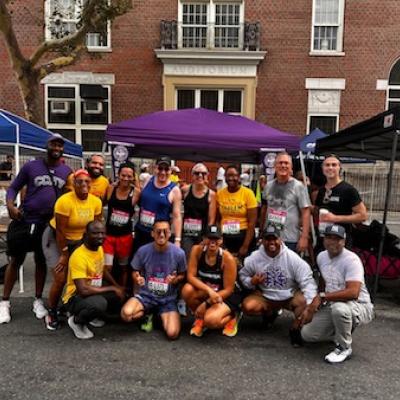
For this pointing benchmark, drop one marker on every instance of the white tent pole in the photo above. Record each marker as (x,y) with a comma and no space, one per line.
(303,170)
(372,193)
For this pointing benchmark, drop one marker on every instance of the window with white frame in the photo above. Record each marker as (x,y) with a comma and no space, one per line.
(222,100)
(393,90)
(327,28)
(62,18)
(79,112)
(326,123)
(210,24)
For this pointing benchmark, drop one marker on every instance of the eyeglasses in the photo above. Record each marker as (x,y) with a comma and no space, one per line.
(163,168)
(158,232)
(82,181)
(198,173)
(327,196)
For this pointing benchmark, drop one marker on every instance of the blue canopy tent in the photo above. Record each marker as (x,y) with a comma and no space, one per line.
(19,133)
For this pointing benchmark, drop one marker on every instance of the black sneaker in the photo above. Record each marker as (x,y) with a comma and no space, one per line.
(269,319)
(51,321)
(295,337)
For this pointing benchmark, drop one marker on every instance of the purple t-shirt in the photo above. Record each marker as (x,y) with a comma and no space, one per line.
(40,195)
(155,266)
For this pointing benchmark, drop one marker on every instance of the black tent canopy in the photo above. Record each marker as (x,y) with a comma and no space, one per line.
(373,139)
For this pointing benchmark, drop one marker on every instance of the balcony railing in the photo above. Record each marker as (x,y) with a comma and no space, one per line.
(175,35)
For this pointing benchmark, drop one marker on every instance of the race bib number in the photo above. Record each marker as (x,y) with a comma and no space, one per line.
(97,281)
(157,286)
(192,226)
(119,218)
(277,218)
(231,228)
(147,218)
(213,286)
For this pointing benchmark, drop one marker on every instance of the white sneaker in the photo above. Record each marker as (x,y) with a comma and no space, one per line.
(338,355)
(5,316)
(80,331)
(97,323)
(182,308)
(39,309)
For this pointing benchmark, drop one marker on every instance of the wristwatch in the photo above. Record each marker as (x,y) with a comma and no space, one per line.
(322,295)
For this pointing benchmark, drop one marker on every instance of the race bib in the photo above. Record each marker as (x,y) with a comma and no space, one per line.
(157,286)
(213,286)
(192,226)
(97,281)
(119,218)
(277,218)
(147,218)
(231,228)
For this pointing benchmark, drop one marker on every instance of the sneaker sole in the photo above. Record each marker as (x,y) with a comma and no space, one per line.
(73,330)
(337,362)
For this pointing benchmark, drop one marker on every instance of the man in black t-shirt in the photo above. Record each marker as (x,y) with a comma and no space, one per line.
(339,201)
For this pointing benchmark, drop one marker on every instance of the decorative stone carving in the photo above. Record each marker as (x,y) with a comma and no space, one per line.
(324,101)
(169,34)
(252,36)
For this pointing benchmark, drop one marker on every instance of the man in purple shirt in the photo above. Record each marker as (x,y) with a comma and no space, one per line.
(44,181)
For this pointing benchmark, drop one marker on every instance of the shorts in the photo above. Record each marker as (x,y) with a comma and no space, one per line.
(23,237)
(188,242)
(118,246)
(152,303)
(233,243)
(234,300)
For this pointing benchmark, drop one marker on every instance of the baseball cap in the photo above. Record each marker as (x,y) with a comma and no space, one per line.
(213,232)
(271,230)
(336,230)
(176,169)
(164,160)
(56,137)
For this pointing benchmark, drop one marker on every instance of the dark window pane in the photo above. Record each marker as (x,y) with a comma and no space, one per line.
(95,112)
(232,101)
(394,77)
(185,99)
(325,124)
(394,93)
(394,104)
(93,92)
(61,112)
(66,133)
(92,140)
(61,92)
(209,99)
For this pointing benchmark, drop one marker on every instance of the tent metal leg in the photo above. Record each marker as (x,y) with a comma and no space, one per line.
(385,211)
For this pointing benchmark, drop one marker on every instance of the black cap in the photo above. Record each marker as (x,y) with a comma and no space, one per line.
(336,230)
(56,137)
(271,230)
(213,232)
(164,160)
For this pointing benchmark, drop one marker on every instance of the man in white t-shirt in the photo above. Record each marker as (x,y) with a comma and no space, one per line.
(345,301)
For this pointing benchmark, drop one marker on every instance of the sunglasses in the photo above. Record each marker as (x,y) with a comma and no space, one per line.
(198,173)
(158,232)
(327,196)
(163,168)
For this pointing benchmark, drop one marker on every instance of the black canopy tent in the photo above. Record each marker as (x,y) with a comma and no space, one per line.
(373,139)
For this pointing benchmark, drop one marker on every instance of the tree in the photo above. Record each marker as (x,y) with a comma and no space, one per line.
(62,50)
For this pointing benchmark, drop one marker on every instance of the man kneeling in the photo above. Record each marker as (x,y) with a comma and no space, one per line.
(85,296)
(157,268)
(345,300)
(280,279)
(209,292)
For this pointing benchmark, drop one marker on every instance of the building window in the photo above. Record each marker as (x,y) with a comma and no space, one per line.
(393,90)
(222,100)
(79,112)
(210,24)
(325,123)
(327,29)
(62,17)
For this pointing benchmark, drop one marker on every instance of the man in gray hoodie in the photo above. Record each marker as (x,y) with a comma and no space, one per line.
(280,279)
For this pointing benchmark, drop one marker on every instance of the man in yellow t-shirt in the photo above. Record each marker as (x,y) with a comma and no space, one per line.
(86,296)
(95,167)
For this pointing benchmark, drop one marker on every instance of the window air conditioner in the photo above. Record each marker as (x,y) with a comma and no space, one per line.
(59,107)
(92,107)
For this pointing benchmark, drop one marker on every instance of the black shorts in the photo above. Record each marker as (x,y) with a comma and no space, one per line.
(234,242)
(23,237)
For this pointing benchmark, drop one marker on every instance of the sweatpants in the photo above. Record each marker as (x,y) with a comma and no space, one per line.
(336,322)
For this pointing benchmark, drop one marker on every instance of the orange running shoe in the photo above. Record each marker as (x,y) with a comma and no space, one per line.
(232,326)
(198,328)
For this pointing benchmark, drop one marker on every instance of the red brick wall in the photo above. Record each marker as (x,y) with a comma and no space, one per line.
(370,45)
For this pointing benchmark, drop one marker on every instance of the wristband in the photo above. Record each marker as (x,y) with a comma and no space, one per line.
(178,239)
(65,249)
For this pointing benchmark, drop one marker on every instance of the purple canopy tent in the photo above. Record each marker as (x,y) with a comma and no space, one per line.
(200,135)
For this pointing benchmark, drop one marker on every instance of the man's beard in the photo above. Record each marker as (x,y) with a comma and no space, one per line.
(94,173)
(54,155)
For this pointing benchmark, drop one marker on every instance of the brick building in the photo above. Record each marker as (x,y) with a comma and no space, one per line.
(293,65)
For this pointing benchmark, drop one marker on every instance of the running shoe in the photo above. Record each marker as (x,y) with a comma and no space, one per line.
(232,326)
(39,309)
(338,355)
(198,328)
(295,338)
(269,319)
(182,309)
(97,323)
(5,316)
(51,321)
(147,324)
(80,331)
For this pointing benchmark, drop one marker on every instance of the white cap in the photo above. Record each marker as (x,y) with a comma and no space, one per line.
(176,169)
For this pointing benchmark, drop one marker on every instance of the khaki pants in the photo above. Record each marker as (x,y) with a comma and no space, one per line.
(336,322)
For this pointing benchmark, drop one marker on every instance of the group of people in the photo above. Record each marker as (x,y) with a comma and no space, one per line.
(189,243)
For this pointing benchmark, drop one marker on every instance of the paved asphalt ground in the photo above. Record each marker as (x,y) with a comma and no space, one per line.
(123,363)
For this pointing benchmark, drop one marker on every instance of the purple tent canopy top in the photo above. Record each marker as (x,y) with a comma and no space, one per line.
(200,134)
